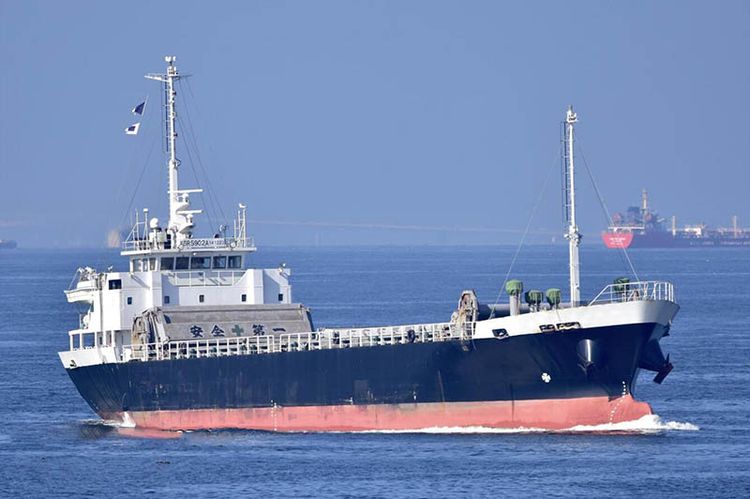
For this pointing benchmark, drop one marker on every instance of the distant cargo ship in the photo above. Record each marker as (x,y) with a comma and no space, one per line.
(640,227)
(8,244)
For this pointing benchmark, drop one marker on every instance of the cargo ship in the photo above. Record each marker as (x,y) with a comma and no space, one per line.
(191,337)
(642,227)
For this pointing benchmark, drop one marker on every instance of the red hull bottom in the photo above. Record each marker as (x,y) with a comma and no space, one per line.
(553,414)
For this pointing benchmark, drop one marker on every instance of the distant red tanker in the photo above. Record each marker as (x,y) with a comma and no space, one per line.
(640,227)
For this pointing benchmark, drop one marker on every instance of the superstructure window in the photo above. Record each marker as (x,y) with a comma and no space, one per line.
(220,262)
(130,300)
(201,298)
(152,263)
(244,298)
(166,299)
(235,262)
(115,284)
(167,263)
(200,262)
(182,263)
(281,296)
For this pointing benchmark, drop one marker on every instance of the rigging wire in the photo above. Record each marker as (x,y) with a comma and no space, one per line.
(138,182)
(603,205)
(525,233)
(192,137)
(127,172)
(197,179)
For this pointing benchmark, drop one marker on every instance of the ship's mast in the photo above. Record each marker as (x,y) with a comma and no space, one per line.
(180,216)
(572,235)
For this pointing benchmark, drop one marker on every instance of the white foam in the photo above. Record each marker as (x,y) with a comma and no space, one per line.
(127,422)
(651,423)
(646,425)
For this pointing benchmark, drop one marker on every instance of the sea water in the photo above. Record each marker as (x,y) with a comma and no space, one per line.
(52,444)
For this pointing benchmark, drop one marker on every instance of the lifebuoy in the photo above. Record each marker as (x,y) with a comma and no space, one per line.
(233,244)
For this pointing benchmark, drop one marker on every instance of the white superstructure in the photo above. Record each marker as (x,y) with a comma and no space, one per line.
(168,266)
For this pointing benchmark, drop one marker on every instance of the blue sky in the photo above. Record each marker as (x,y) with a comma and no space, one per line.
(334,121)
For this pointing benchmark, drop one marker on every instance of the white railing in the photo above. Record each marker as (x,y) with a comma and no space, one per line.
(297,342)
(191,278)
(635,291)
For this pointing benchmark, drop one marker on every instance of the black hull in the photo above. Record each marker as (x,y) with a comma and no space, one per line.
(483,370)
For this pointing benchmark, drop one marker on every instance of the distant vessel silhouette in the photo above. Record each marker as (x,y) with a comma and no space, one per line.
(641,227)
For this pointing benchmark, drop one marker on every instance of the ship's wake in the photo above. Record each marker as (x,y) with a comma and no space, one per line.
(647,425)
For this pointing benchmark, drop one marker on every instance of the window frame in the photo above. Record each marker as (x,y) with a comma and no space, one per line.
(206,262)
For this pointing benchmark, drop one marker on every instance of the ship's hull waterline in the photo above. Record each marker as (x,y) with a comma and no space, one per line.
(553,414)
(530,381)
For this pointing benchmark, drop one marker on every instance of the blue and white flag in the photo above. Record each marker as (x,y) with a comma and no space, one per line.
(133,129)
(139,108)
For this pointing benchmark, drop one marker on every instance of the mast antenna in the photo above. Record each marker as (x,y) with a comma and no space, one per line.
(180,215)
(572,235)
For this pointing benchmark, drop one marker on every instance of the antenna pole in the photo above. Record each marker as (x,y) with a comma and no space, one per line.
(169,90)
(572,235)
(180,215)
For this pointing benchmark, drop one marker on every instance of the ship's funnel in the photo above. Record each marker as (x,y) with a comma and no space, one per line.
(514,288)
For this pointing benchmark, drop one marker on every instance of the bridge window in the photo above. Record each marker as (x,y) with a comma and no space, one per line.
(115,284)
(200,262)
(220,262)
(235,262)
(167,263)
(182,263)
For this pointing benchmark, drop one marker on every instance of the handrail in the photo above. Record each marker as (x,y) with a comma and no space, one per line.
(323,339)
(208,277)
(635,291)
